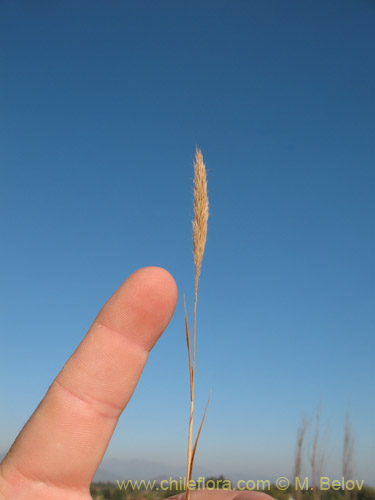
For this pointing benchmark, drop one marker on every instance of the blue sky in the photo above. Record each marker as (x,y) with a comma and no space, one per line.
(102,105)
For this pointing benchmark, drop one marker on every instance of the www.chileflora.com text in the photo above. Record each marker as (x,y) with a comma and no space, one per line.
(281,483)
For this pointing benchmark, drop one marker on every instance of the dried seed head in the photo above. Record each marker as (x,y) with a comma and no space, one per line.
(200,211)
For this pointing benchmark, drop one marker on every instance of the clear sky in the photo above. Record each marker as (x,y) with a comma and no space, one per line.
(101,107)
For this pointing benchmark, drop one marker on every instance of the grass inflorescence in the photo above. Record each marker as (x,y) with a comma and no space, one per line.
(201,209)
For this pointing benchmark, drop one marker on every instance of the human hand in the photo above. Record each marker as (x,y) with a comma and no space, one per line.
(58,451)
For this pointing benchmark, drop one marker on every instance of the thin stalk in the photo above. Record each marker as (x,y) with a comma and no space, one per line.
(191,371)
(191,420)
(199,241)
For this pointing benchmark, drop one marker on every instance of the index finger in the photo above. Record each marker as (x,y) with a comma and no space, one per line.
(65,439)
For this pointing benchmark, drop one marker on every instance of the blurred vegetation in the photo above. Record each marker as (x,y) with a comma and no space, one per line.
(111,491)
(365,493)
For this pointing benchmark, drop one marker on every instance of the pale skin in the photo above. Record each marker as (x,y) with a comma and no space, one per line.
(58,451)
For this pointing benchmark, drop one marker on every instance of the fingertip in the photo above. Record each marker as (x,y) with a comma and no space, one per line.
(157,287)
(159,280)
(143,305)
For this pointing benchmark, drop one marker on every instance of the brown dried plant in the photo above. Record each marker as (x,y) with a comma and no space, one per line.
(199,242)
(347,457)
(301,434)
(318,456)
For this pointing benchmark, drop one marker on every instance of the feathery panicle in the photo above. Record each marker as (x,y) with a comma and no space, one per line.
(199,242)
(200,211)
